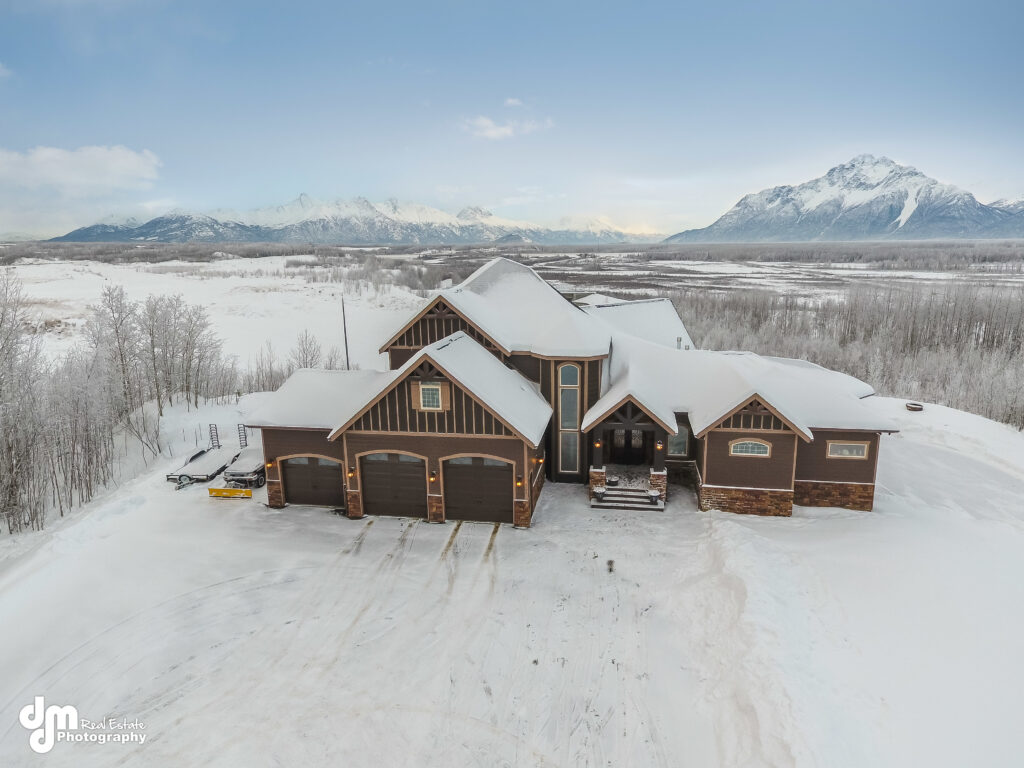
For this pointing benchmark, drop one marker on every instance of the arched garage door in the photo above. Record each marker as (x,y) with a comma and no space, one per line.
(394,484)
(315,481)
(478,488)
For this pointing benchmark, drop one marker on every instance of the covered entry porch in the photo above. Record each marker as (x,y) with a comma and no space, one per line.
(628,457)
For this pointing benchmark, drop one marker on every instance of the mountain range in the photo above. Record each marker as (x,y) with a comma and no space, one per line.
(868,198)
(352,222)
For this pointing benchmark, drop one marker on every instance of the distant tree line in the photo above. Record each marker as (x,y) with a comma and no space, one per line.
(959,345)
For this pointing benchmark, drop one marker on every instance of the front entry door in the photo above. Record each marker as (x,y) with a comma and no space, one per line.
(630,446)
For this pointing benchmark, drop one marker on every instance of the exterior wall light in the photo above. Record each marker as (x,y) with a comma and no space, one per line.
(540,460)
(597,443)
(519,481)
(351,471)
(659,445)
(433,476)
(270,464)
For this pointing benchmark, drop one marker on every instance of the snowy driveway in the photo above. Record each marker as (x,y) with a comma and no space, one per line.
(244,636)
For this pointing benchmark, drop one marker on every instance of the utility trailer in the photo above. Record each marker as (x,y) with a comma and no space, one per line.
(206,464)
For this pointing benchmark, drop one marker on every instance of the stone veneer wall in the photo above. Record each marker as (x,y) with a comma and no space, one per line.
(275,494)
(435,509)
(808,493)
(354,505)
(521,514)
(746,501)
(659,482)
(596,480)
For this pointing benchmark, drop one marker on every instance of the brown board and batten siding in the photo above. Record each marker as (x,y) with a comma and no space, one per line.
(812,462)
(439,322)
(398,412)
(774,472)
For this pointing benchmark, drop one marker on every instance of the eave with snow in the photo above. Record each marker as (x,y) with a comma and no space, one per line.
(500,383)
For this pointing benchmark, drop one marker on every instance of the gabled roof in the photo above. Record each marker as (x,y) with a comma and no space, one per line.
(512,397)
(708,386)
(651,319)
(517,309)
(315,399)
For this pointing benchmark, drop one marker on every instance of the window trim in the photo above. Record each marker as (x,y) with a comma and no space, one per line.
(576,421)
(865,443)
(436,387)
(754,440)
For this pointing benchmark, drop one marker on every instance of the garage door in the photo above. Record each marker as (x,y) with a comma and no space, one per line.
(394,484)
(476,488)
(312,480)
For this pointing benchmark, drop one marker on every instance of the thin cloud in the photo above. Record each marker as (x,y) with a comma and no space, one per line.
(513,102)
(4,71)
(486,128)
(86,170)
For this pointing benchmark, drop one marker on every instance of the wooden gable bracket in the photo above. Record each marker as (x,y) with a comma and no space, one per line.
(438,300)
(633,412)
(755,398)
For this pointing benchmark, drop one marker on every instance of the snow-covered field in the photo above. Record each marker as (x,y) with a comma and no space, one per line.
(245,636)
(250,300)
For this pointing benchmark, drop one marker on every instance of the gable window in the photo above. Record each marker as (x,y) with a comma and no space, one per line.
(844,450)
(750,448)
(430,397)
(568,417)
(679,443)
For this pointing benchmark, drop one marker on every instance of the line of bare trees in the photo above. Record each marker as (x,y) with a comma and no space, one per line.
(65,424)
(955,344)
(59,419)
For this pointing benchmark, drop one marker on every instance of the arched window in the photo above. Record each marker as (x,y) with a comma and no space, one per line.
(750,448)
(568,417)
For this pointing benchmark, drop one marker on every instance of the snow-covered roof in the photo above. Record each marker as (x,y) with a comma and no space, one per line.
(505,391)
(597,298)
(651,319)
(316,399)
(709,385)
(521,312)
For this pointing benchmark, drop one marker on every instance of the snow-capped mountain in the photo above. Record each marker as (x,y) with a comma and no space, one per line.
(1010,206)
(352,222)
(866,198)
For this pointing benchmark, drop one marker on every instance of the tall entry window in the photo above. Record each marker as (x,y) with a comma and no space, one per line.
(568,417)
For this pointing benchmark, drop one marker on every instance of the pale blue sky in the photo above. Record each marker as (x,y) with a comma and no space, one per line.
(658,116)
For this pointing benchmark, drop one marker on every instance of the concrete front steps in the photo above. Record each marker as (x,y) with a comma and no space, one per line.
(626,498)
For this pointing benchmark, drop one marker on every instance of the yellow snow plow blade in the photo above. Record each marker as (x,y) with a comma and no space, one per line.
(231,493)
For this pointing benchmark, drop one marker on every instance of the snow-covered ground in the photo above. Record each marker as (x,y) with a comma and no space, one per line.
(250,300)
(247,636)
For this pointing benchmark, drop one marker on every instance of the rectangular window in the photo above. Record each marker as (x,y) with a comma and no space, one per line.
(838,450)
(569,409)
(569,452)
(679,444)
(430,397)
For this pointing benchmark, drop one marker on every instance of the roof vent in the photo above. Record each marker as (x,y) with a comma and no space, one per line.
(679,342)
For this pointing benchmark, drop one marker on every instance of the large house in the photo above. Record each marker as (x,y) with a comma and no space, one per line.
(500,383)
